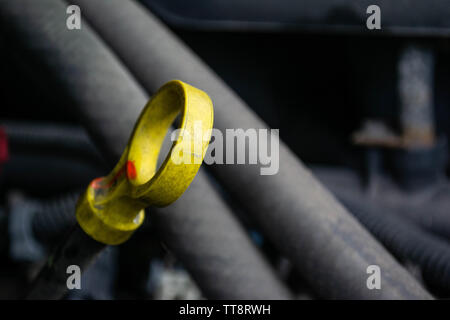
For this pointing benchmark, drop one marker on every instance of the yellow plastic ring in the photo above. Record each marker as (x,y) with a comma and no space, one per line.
(111,208)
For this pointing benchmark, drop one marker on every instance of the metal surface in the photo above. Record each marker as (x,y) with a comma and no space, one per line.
(415,86)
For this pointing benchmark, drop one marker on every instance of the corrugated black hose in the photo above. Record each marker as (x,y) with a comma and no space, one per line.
(407,241)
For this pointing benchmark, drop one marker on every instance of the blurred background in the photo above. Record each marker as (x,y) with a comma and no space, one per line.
(368,112)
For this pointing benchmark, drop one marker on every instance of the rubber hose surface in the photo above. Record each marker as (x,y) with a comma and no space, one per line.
(203,232)
(324,241)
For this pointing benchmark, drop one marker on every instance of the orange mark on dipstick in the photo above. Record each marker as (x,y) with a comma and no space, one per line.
(104,183)
(131,170)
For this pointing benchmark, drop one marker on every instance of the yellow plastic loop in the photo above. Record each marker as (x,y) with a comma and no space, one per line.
(112,207)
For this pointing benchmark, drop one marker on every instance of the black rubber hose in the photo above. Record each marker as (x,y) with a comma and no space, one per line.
(66,140)
(428,208)
(406,241)
(324,241)
(199,227)
(48,158)
(45,175)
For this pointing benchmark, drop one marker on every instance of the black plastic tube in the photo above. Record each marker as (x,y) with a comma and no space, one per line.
(325,243)
(199,227)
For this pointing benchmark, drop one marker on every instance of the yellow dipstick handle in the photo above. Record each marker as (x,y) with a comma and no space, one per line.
(112,207)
